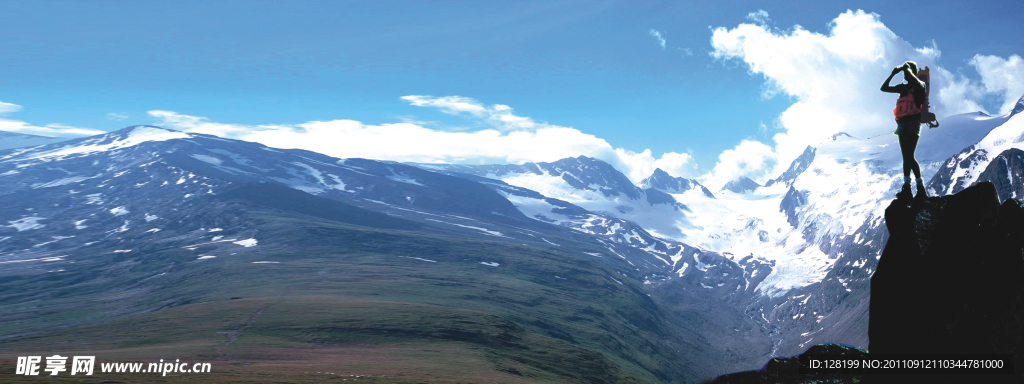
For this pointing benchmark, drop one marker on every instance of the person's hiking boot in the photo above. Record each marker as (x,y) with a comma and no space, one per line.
(921,192)
(905,192)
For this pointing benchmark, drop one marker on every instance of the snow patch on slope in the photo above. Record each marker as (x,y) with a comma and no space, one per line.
(136,136)
(27,223)
(247,243)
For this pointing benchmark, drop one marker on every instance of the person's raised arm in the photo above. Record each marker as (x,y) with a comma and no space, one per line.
(885,86)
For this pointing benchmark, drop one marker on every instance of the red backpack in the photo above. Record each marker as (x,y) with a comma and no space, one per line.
(906,104)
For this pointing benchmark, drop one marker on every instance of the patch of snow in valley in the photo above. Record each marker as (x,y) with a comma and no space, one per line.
(485,230)
(124,227)
(402,178)
(308,189)
(247,243)
(207,159)
(535,208)
(546,241)
(27,223)
(338,184)
(417,258)
(41,259)
(59,182)
(94,198)
(55,239)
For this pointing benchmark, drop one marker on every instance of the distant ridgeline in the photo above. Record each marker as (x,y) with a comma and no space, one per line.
(950,281)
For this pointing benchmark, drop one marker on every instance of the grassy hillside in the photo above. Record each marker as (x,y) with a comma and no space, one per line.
(420,301)
(310,338)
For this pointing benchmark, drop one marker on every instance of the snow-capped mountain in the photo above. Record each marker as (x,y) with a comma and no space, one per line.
(817,229)
(997,158)
(592,185)
(741,185)
(650,254)
(793,256)
(797,167)
(142,190)
(143,180)
(664,182)
(70,194)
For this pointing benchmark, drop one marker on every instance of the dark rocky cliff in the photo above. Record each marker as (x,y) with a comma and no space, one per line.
(950,280)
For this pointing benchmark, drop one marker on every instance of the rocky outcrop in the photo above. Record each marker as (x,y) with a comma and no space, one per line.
(793,200)
(951,276)
(1006,172)
(950,281)
(788,369)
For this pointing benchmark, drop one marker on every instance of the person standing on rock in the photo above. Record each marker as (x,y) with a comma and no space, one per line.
(908,122)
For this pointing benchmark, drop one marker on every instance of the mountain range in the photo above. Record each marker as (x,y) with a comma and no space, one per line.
(665,280)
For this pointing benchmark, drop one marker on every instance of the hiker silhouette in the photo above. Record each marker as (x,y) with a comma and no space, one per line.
(908,122)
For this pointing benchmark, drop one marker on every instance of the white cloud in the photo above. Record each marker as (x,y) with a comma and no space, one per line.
(657,35)
(203,125)
(47,130)
(834,78)
(1003,77)
(638,166)
(116,116)
(749,158)
(515,139)
(8,107)
(760,17)
(959,95)
(448,104)
(498,116)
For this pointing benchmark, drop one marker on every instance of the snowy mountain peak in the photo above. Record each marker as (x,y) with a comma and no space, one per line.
(590,174)
(145,128)
(141,133)
(662,181)
(123,138)
(741,185)
(799,165)
(1019,107)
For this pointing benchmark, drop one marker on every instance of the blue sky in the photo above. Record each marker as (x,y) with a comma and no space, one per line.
(596,72)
